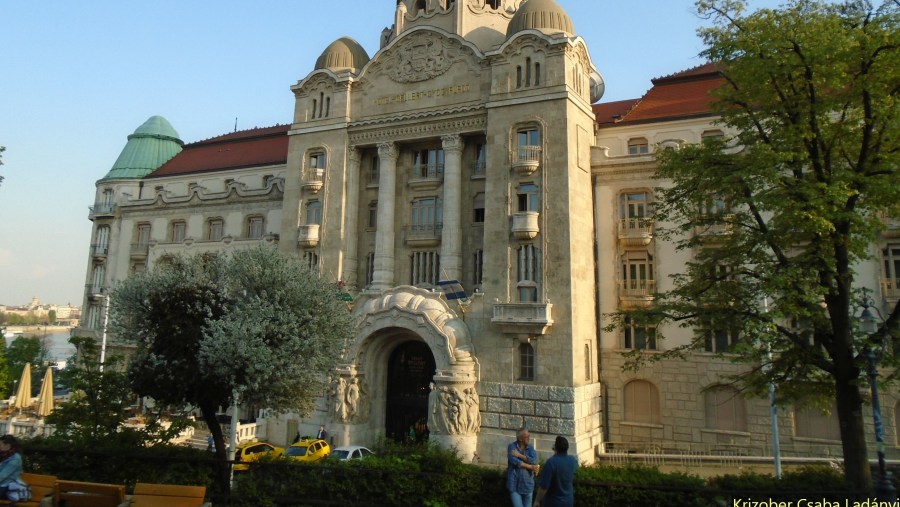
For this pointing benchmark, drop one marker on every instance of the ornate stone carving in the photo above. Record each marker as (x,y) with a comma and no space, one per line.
(453,411)
(350,400)
(419,59)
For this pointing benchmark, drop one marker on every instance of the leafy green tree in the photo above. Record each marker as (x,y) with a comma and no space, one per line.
(812,91)
(256,324)
(2,149)
(51,317)
(22,350)
(100,404)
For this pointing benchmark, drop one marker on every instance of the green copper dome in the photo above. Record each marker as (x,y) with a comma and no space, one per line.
(153,144)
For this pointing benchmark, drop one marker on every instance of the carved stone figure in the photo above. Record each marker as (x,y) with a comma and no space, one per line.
(340,406)
(353,398)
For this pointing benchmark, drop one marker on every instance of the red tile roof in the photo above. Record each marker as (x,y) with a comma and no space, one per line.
(237,150)
(680,95)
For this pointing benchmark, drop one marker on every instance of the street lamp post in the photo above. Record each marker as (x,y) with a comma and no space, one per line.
(884,486)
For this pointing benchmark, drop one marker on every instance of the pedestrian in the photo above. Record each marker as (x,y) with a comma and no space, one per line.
(556,482)
(210,442)
(10,463)
(322,434)
(521,469)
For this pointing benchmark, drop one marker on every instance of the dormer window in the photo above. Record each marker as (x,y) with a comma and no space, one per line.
(638,146)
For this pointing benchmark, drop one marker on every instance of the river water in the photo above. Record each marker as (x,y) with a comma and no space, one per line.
(56,340)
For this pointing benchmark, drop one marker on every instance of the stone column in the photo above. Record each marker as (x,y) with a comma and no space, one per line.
(451,235)
(383,277)
(351,221)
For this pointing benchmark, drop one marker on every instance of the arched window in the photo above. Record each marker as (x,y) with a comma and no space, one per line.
(641,402)
(725,409)
(526,362)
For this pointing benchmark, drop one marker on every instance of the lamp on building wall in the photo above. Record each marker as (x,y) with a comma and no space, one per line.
(868,324)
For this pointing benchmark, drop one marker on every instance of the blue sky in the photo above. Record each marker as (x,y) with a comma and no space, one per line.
(76,78)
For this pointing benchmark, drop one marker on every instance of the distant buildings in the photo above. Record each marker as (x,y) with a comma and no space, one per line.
(67,315)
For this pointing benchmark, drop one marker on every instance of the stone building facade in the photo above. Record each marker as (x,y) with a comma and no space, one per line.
(467,149)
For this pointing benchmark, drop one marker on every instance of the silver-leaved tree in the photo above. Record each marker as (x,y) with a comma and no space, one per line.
(256,324)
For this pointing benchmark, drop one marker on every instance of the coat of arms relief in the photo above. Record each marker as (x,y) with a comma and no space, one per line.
(421,58)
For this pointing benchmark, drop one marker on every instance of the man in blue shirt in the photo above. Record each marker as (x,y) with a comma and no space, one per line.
(520,470)
(556,481)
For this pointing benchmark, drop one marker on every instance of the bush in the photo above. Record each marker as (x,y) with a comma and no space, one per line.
(823,481)
(605,485)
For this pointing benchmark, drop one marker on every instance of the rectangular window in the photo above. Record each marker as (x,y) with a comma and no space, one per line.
(638,146)
(179,229)
(478,208)
(314,213)
(529,273)
(637,273)
(255,226)
(528,145)
(528,198)
(317,160)
(424,269)
(427,215)
(478,269)
(311,259)
(638,337)
(374,171)
(372,221)
(635,207)
(891,259)
(143,234)
(480,159)
(215,229)
(370,268)
(719,337)
(526,362)
(429,163)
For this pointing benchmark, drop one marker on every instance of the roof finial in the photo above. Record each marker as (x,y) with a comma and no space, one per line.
(235,123)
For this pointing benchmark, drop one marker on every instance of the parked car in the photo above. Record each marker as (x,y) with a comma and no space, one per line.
(252,451)
(308,449)
(349,452)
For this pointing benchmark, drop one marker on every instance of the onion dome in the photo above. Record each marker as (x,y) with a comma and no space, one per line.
(344,53)
(153,144)
(543,15)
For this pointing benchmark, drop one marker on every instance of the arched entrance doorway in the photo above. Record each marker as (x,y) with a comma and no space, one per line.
(411,369)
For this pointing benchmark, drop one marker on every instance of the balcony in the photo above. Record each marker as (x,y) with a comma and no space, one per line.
(526,159)
(100,210)
(95,290)
(139,250)
(308,235)
(313,179)
(529,319)
(636,293)
(424,235)
(635,231)
(99,251)
(890,288)
(715,227)
(426,176)
(525,224)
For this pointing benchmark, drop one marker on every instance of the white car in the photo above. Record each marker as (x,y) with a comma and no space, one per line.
(350,452)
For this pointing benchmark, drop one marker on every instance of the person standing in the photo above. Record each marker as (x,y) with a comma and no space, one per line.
(322,434)
(556,488)
(521,469)
(210,442)
(10,462)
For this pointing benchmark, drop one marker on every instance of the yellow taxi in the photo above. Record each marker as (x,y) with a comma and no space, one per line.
(248,452)
(308,449)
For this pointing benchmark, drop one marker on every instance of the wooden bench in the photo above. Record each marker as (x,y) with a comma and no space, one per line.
(41,488)
(87,494)
(166,495)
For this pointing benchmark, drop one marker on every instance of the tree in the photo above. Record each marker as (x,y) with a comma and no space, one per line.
(255,324)
(22,350)
(812,91)
(2,149)
(100,404)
